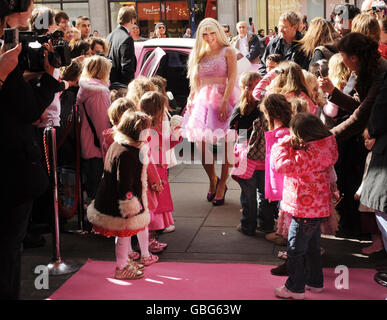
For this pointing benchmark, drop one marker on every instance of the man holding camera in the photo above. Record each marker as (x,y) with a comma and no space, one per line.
(23,178)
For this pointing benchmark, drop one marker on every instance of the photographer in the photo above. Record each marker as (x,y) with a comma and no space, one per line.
(23,178)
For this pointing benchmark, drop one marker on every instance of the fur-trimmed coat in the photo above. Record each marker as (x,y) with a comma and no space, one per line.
(120,207)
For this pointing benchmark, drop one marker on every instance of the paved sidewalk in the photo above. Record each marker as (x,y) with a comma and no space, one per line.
(204,233)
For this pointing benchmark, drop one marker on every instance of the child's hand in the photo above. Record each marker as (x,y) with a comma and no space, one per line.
(356,197)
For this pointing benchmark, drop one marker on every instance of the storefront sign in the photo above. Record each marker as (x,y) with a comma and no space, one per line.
(151,10)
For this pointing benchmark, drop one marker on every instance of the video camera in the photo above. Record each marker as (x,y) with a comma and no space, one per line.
(8,7)
(32,56)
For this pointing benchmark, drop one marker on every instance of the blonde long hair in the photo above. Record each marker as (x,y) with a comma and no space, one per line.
(96,67)
(338,73)
(320,32)
(201,47)
(290,79)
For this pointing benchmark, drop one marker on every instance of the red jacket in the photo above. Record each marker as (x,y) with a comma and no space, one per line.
(383,49)
(306,191)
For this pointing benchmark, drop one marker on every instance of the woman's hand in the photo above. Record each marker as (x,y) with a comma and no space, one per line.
(8,61)
(326,84)
(223,114)
(47,66)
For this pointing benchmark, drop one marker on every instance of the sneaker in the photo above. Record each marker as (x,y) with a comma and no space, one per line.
(283,292)
(128,273)
(134,255)
(314,289)
(169,229)
(150,260)
(155,246)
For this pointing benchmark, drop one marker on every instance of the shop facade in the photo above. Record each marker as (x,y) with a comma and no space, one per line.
(265,13)
(177,15)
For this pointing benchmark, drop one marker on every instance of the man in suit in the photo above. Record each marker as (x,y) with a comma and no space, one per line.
(246,42)
(121,51)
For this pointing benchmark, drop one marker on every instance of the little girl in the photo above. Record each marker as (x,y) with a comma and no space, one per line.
(305,159)
(368,215)
(154,103)
(115,112)
(287,79)
(93,99)
(278,113)
(249,151)
(120,207)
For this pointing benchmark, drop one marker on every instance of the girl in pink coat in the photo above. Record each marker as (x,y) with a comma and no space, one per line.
(305,158)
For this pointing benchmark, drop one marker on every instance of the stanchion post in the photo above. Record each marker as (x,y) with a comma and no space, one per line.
(58,266)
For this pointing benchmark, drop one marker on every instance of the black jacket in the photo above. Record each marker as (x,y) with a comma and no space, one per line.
(122,55)
(23,178)
(276,45)
(374,193)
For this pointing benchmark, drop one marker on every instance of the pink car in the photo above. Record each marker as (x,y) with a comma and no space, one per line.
(168,58)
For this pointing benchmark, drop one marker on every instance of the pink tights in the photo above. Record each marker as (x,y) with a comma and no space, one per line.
(124,247)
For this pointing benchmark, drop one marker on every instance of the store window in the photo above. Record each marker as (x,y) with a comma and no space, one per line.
(74,8)
(174,14)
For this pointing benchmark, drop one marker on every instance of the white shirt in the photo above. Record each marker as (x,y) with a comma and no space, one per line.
(244,45)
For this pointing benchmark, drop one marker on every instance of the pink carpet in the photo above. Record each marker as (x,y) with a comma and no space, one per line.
(199,281)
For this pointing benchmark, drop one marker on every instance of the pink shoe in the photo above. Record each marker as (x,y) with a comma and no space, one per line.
(283,292)
(150,260)
(375,247)
(134,255)
(155,246)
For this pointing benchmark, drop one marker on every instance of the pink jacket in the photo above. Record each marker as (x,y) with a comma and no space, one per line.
(306,192)
(95,95)
(273,180)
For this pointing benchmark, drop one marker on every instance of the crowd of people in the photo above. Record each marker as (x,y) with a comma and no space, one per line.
(295,135)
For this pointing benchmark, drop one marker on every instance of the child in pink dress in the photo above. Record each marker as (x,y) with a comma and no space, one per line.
(153,104)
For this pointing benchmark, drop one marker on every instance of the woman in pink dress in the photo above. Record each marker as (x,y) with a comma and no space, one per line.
(212,70)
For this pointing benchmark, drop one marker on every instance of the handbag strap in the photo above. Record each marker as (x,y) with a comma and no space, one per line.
(96,140)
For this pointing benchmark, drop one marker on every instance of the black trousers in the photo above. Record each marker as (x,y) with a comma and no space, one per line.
(14,223)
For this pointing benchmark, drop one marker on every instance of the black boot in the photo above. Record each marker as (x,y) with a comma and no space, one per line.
(281,270)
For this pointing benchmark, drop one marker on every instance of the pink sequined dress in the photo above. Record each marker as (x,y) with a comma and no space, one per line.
(202,122)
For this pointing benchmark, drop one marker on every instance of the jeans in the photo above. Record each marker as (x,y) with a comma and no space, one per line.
(265,211)
(381,220)
(14,223)
(304,263)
